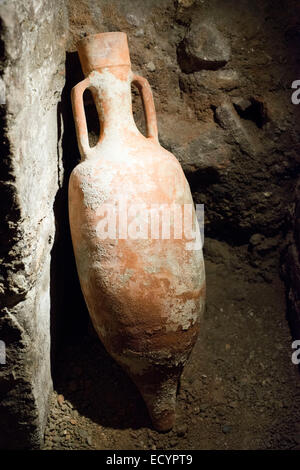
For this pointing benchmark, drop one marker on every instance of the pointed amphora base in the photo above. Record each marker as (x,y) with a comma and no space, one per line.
(159,393)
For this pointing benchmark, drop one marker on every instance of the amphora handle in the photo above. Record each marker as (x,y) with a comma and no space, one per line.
(148,104)
(79,116)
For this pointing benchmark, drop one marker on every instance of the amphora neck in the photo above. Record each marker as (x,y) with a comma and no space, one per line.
(111,89)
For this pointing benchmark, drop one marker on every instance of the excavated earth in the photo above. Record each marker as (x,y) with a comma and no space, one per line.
(239,390)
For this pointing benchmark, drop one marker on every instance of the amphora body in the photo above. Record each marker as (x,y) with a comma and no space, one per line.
(144,287)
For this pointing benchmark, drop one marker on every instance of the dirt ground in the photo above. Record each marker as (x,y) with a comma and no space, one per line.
(239,389)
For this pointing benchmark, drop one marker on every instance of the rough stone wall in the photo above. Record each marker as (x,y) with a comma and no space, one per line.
(32,77)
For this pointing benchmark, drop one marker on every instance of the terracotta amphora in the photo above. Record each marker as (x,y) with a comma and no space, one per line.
(142,277)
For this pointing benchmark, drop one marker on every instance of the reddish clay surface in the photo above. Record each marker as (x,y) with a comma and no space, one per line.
(145,296)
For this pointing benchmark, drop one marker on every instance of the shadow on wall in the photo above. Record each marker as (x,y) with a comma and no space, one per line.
(69,315)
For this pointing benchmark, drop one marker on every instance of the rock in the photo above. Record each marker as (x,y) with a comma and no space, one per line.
(139,33)
(204,407)
(204,47)
(133,20)
(181,430)
(60,399)
(83,434)
(229,120)
(261,245)
(197,147)
(256,239)
(173,442)
(226,429)
(233,404)
(241,104)
(213,80)
(31,170)
(51,425)
(151,67)
(185,3)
